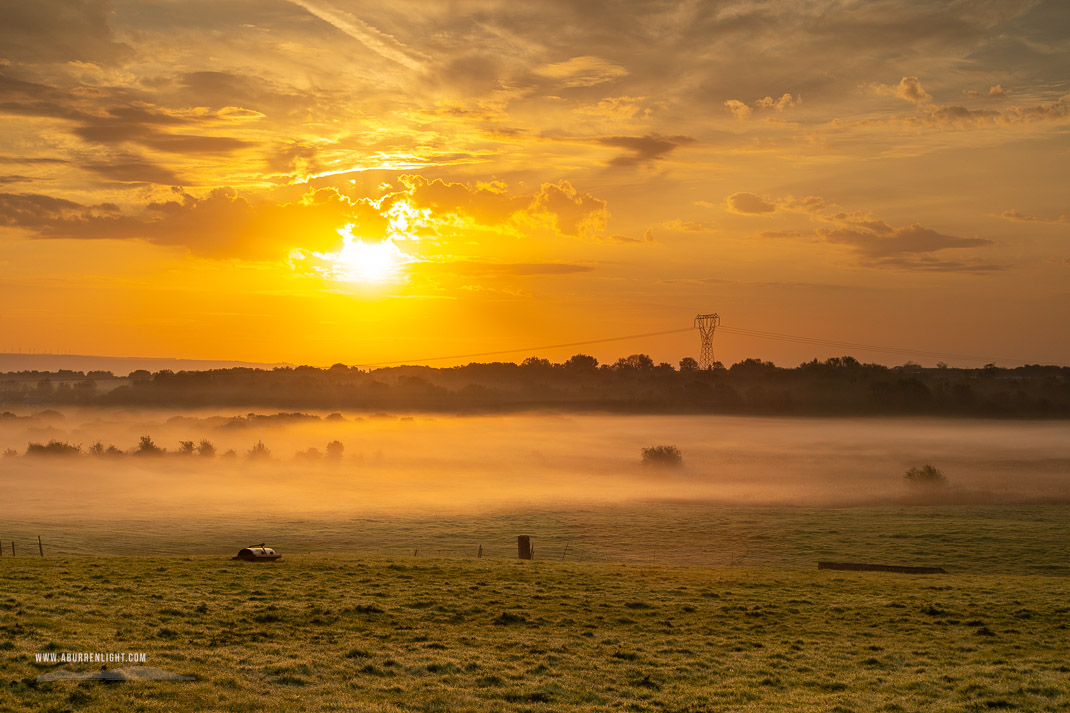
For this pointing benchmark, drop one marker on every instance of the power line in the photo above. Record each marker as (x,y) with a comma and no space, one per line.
(901,351)
(530,349)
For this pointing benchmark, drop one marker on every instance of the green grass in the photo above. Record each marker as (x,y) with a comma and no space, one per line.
(374,633)
(1009,539)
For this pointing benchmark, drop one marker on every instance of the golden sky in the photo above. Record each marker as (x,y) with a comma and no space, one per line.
(320,181)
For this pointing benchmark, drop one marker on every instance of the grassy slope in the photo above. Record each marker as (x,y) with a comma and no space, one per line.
(338,633)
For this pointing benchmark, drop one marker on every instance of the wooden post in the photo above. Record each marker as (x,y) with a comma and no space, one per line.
(523,547)
(480,552)
(40,547)
(565,552)
(12,548)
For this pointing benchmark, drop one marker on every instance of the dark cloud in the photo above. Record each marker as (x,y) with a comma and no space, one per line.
(59,31)
(748,204)
(911,247)
(219,224)
(133,122)
(645,149)
(132,169)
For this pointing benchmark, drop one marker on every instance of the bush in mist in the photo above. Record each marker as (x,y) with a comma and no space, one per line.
(186,448)
(10,453)
(147,447)
(53,448)
(335,449)
(663,456)
(925,475)
(205,448)
(259,451)
(99,449)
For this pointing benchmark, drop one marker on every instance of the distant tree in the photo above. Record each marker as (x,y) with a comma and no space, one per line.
(259,451)
(535,363)
(10,453)
(639,362)
(97,449)
(205,448)
(113,451)
(663,456)
(335,449)
(309,454)
(185,448)
(53,448)
(335,417)
(146,447)
(926,475)
(688,364)
(582,362)
(138,374)
(230,453)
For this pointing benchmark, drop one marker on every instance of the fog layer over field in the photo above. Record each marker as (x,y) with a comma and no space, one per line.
(434,464)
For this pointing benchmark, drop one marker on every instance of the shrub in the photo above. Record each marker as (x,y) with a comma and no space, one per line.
(146,447)
(665,456)
(53,448)
(259,451)
(925,475)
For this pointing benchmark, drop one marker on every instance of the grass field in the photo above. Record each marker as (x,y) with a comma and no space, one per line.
(445,634)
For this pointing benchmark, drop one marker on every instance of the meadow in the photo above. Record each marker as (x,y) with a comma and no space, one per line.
(686,589)
(445,634)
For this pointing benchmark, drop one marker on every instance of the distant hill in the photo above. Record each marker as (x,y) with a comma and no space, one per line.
(120,366)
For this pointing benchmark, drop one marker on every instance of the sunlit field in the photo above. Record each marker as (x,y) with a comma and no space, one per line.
(686,589)
(443,634)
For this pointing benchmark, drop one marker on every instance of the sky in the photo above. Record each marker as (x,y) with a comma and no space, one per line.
(323,181)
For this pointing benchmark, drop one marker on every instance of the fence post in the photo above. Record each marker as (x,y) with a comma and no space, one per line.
(523,547)
(40,547)
(12,548)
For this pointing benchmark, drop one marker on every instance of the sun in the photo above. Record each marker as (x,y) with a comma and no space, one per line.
(359,261)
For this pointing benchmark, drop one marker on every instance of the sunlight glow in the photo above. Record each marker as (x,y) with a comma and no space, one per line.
(360,261)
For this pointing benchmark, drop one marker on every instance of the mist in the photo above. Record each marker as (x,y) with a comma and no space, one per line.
(427,464)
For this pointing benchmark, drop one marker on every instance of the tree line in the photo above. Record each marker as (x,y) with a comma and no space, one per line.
(635,383)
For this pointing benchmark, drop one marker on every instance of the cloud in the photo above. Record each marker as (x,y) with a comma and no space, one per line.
(908,89)
(883,241)
(645,149)
(739,110)
(690,226)
(873,242)
(748,204)
(125,121)
(911,90)
(569,211)
(742,111)
(379,42)
(133,169)
(1015,216)
(786,101)
(619,108)
(939,116)
(219,224)
(584,71)
(59,31)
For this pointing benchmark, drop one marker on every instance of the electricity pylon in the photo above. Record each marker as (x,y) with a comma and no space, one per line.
(706,323)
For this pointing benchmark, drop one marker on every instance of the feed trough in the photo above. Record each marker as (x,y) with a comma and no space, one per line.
(257,553)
